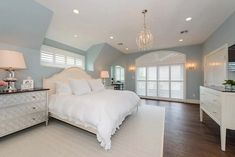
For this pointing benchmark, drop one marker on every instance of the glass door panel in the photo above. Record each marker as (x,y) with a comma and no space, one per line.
(151,88)
(177,72)
(163,89)
(166,81)
(163,73)
(177,90)
(141,88)
(152,73)
(141,73)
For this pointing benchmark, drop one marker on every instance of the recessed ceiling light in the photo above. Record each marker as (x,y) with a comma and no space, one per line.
(127,48)
(75,36)
(188,19)
(181,40)
(111,37)
(75,11)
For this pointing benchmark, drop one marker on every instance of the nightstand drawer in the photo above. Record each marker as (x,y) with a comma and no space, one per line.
(20,110)
(21,98)
(10,126)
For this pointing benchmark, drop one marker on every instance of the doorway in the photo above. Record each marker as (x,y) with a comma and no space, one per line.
(161,74)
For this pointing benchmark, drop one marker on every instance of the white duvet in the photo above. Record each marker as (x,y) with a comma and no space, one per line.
(104,110)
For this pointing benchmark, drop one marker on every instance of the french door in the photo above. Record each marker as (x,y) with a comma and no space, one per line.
(164,81)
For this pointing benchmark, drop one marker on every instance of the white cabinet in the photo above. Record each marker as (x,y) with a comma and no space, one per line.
(220,106)
(21,110)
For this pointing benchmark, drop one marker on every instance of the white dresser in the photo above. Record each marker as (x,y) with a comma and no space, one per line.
(220,106)
(22,109)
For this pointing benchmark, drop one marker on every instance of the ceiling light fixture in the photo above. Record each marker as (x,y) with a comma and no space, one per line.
(144,39)
(75,36)
(111,37)
(127,48)
(75,11)
(181,40)
(188,19)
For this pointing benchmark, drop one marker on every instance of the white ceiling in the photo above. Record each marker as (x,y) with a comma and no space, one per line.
(100,19)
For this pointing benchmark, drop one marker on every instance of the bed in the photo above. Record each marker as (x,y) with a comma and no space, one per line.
(100,112)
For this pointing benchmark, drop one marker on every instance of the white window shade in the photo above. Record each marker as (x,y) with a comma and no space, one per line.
(54,57)
(47,57)
(163,81)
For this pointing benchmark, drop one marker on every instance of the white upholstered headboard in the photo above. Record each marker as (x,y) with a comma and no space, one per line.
(64,76)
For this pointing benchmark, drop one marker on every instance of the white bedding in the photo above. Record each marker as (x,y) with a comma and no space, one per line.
(104,110)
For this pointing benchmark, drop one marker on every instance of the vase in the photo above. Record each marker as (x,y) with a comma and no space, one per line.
(233,88)
(228,87)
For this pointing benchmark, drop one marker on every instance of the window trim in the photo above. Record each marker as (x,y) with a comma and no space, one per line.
(55,51)
(157,81)
(120,72)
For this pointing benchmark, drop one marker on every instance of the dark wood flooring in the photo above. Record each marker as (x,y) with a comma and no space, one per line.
(185,136)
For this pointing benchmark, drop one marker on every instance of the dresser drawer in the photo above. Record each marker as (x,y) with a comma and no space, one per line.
(7,127)
(216,115)
(20,110)
(21,98)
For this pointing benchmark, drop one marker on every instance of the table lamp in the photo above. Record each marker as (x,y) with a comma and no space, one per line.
(104,75)
(11,61)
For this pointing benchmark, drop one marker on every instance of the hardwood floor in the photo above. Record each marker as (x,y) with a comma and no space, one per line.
(185,136)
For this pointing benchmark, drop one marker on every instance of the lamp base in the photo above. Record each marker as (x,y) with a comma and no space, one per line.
(11,86)
(11,81)
(104,81)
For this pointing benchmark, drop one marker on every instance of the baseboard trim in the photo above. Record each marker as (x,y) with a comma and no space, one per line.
(188,101)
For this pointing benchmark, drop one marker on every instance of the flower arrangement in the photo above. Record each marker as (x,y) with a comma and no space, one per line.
(3,83)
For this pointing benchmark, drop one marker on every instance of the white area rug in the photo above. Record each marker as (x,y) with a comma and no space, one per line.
(141,135)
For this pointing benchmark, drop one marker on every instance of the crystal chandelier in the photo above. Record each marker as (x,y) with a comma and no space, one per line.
(144,39)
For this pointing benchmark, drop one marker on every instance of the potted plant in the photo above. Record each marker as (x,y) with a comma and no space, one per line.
(229,85)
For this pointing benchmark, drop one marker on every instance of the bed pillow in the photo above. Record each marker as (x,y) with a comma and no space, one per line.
(79,87)
(63,88)
(96,85)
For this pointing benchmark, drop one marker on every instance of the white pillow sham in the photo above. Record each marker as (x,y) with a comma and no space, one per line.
(63,88)
(79,87)
(96,85)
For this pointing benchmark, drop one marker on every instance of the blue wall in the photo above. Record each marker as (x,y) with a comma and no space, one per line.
(193,77)
(23,25)
(34,69)
(101,57)
(224,34)
(62,46)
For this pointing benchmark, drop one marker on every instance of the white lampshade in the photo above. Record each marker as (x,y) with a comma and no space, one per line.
(11,60)
(104,74)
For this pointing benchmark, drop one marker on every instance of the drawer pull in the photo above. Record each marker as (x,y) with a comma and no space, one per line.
(34,108)
(34,97)
(34,118)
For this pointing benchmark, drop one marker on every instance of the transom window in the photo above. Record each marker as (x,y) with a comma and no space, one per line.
(54,57)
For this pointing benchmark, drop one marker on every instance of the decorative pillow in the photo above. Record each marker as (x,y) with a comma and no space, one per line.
(96,85)
(79,87)
(63,88)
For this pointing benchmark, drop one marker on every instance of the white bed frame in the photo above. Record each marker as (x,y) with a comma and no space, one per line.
(64,76)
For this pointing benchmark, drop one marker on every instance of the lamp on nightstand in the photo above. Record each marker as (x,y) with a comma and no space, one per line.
(104,75)
(11,61)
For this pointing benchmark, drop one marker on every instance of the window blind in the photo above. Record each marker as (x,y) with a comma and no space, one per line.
(54,57)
